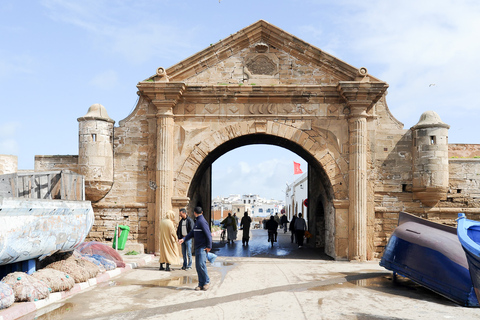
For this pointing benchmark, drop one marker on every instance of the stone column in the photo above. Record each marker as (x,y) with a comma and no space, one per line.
(164,168)
(164,95)
(360,97)
(357,126)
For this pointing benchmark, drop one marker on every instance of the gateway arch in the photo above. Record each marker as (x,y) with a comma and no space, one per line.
(263,85)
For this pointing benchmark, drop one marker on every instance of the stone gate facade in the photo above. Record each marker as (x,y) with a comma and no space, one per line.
(263,85)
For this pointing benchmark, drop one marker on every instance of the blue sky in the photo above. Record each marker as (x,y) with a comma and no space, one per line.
(58,57)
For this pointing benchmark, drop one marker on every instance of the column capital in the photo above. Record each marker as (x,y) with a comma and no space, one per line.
(163,95)
(360,96)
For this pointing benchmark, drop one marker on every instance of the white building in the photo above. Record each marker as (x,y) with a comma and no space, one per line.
(251,203)
(296,195)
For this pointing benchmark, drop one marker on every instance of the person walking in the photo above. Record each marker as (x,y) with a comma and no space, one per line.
(203,244)
(300,227)
(184,227)
(284,222)
(231,225)
(237,225)
(277,218)
(168,242)
(291,227)
(245,224)
(272,226)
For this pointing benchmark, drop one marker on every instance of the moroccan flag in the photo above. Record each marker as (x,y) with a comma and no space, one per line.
(296,168)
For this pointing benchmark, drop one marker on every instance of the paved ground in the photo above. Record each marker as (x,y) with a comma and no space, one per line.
(259,282)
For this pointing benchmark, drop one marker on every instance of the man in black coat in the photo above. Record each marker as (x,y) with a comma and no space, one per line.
(272,227)
(184,227)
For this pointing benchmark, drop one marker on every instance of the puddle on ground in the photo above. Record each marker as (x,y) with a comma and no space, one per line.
(55,311)
(387,284)
(224,267)
(382,282)
(170,282)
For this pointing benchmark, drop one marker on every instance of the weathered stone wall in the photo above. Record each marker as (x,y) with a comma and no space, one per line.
(464,185)
(8,164)
(126,203)
(458,150)
(285,69)
(107,218)
(58,162)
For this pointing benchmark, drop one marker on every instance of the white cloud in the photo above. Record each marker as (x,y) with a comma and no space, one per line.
(410,45)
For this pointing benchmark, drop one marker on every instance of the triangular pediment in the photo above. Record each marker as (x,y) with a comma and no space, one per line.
(261,54)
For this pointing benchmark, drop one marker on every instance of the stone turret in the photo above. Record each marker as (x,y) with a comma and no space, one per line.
(430,159)
(95,154)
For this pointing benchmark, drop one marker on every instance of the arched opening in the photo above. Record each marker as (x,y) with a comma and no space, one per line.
(320,211)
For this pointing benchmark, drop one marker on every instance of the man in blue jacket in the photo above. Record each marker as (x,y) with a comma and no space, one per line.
(203,244)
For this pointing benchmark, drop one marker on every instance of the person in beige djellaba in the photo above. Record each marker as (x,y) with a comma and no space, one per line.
(168,242)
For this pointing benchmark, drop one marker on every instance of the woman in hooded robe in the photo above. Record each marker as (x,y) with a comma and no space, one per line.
(231,225)
(168,241)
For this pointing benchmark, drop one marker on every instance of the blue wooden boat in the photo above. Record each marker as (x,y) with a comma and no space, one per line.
(431,255)
(468,232)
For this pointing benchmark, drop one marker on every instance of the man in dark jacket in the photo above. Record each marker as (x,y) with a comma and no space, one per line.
(284,222)
(184,227)
(203,244)
(292,228)
(272,227)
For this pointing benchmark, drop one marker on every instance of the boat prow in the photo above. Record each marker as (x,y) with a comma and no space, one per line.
(468,232)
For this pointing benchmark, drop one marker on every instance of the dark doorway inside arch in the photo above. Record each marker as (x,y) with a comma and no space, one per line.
(320,211)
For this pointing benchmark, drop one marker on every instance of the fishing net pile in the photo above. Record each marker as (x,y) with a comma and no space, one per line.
(26,287)
(56,280)
(96,262)
(101,249)
(7,297)
(80,269)
(103,262)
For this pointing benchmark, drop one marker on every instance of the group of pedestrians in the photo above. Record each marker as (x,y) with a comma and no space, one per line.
(186,231)
(200,231)
(297,227)
(232,226)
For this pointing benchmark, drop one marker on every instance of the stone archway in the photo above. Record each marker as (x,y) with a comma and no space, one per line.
(323,107)
(195,183)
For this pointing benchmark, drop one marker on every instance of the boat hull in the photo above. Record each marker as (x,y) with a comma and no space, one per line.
(469,236)
(35,228)
(431,255)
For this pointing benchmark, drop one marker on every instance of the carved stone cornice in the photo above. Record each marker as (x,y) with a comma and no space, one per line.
(361,96)
(163,95)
